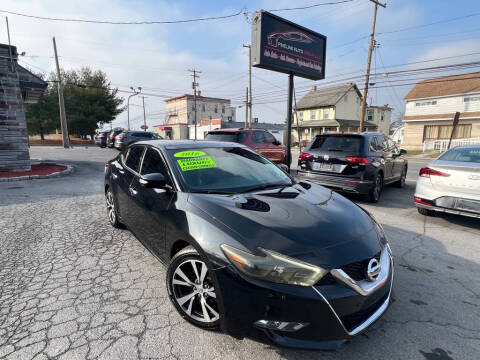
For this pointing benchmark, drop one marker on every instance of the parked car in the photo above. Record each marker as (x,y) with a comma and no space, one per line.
(259,140)
(356,163)
(126,138)
(451,183)
(101,138)
(249,247)
(112,135)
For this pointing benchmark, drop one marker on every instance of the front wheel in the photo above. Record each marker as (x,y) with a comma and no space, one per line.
(401,182)
(191,289)
(374,194)
(112,210)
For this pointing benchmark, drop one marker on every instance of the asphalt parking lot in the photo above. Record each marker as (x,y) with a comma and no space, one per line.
(72,287)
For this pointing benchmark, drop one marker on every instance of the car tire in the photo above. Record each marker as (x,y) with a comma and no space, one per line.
(374,194)
(191,290)
(425,212)
(112,210)
(401,182)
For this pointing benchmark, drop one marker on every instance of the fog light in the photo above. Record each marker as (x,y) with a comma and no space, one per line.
(280,325)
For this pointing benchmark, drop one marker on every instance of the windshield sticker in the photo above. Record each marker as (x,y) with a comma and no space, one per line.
(196,163)
(189,154)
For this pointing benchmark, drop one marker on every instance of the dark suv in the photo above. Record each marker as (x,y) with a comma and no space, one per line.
(259,140)
(101,138)
(357,163)
(126,138)
(111,136)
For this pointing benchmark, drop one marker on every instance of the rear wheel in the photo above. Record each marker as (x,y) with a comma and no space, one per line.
(425,212)
(374,193)
(191,290)
(401,182)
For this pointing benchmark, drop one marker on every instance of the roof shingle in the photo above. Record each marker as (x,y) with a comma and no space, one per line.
(324,97)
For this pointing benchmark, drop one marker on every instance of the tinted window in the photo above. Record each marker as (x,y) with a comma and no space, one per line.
(229,169)
(153,163)
(242,137)
(382,143)
(134,155)
(374,146)
(350,144)
(258,137)
(223,136)
(269,138)
(462,154)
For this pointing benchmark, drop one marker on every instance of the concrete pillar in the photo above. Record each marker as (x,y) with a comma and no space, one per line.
(14,154)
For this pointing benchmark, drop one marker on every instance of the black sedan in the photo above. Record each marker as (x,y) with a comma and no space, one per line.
(247,247)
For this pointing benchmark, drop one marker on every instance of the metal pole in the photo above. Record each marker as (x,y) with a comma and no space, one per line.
(369,61)
(246,109)
(250,84)
(144,117)
(195,101)
(135,92)
(63,117)
(455,123)
(288,156)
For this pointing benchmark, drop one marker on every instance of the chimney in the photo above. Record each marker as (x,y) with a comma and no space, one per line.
(198,93)
(314,87)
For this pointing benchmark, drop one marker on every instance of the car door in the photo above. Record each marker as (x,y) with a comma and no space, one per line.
(387,157)
(152,204)
(131,165)
(275,152)
(259,145)
(398,160)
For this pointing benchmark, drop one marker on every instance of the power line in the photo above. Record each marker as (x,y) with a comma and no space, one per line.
(312,6)
(143,22)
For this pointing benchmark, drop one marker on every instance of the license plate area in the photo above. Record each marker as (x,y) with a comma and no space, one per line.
(321,166)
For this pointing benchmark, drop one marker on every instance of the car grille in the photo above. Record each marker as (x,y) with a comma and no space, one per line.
(353,320)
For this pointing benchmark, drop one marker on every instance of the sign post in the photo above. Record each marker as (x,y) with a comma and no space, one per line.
(455,123)
(283,46)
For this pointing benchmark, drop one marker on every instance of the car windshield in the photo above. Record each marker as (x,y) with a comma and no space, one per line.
(225,170)
(462,155)
(350,144)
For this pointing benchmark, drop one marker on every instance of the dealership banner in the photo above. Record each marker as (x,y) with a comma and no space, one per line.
(283,46)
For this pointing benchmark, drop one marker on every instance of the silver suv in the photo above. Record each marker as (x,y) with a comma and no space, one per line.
(128,137)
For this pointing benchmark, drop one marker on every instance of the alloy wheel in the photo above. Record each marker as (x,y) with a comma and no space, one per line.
(378,188)
(194,292)
(112,215)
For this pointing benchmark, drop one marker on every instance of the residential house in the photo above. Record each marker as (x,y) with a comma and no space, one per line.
(180,114)
(327,110)
(380,116)
(431,106)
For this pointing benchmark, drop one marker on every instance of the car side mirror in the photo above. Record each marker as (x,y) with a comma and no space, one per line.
(276,142)
(403,152)
(154,181)
(283,167)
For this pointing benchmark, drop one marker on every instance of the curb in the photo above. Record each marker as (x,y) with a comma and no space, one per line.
(67,171)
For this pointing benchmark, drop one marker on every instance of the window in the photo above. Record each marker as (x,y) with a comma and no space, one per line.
(434,132)
(312,114)
(153,163)
(300,115)
(215,109)
(430,132)
(326,113)
(223,109)
(471,98)
(193,107)
(269,138)
(374,146)
(426,103)
(370,115)
(345,98)
(382,115)
(134,155)
(229,118)
(347,144)
(203,107)
(258,137)
(358,100)
(467,154)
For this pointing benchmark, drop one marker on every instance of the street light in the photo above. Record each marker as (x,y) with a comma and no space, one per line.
(135,92)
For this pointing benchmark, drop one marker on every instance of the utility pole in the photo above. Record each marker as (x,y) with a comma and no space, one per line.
(194,86)
(135,92)
(369,60)
(144,117)
(246,109)
(249,104)
(61,102)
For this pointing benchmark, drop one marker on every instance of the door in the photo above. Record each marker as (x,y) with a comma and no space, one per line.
(153,204)
(131,166)
(387,157)
(276,152)
(259,145)
(398,160)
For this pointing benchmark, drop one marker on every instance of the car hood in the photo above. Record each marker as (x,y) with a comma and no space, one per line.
(315,225)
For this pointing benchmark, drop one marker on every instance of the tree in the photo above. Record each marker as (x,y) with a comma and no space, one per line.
(89,102)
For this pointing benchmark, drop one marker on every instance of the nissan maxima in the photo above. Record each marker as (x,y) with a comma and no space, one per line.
(451,183)
(248,247)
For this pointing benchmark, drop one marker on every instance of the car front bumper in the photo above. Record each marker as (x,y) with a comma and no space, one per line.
(444,200)
(351,185)
(334,312)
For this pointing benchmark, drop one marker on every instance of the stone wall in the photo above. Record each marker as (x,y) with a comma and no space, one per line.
(14,155)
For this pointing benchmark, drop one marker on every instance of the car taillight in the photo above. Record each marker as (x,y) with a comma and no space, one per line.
(420,201)
(304,156)
(357,160)
(112,137)
(427,172)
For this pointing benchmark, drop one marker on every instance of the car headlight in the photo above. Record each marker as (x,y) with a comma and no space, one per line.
(274,267)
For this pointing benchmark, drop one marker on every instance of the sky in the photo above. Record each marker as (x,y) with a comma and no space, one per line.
(157,57)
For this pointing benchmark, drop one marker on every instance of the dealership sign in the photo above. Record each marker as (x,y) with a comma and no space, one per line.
(280,45)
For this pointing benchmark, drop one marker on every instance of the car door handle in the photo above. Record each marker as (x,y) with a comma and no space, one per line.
(133,191)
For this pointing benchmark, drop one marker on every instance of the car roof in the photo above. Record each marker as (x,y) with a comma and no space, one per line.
(179,144)
(364,134)
(232,130)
